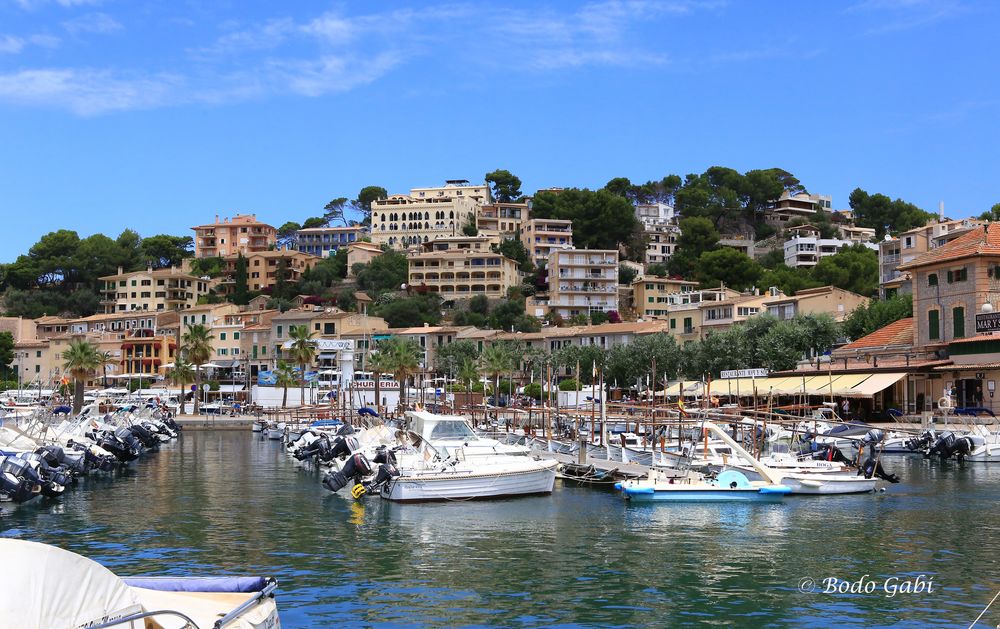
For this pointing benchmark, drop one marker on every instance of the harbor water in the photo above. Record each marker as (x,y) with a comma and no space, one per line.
(227,502)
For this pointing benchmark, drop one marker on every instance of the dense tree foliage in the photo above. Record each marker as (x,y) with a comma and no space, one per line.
(387,272)
(363,203)
(730,267)
(723,195)
(993,214)
(411,312)
(504,186)
(877,314)
(854,268)
(601,220)
(698,236)
(514,249)
(884,214)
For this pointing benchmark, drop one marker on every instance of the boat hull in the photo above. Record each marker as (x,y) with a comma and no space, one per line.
(444,486)
(705,495)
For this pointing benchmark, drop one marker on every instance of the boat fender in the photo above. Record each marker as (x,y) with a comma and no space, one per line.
(618,485)
(639,490)
(944,402)
(358,491)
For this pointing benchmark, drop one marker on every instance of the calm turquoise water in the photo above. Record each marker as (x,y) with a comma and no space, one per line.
(226,502)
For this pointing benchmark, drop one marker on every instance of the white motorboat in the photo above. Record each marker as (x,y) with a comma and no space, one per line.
(275,432)
(57,588)
(439,458)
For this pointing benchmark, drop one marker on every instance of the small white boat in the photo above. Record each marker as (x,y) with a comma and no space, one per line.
(472,479)
(727,486)
(52,587)
(276,432)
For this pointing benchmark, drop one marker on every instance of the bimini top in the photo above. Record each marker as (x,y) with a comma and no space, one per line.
(435,428)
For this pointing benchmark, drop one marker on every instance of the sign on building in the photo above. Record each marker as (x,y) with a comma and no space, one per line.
(987,322)
(744,373)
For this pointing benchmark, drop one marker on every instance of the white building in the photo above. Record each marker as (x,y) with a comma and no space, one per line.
(805,247)
(581,281)
(425,214)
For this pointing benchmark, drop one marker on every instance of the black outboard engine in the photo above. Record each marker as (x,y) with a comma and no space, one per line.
(94,461)
(963,447)
(943,447)
(829,452)
(343,447)
(384,455)
(873,467)
(18,482)
(145,437)
(385,473)
(356,467)
(320,448)
(130,440)
(345,430)
(74,462)
(922,443)
(53,479)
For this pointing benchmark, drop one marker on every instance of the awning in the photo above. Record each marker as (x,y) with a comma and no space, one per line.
(875,383)
(835,385)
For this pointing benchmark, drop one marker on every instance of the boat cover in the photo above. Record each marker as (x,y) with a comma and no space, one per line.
(198,584)
(45,586)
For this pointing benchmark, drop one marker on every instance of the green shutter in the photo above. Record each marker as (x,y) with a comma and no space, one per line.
(933,329)
(958,322)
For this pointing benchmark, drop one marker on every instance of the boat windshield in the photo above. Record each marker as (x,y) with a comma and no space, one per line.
(452,430)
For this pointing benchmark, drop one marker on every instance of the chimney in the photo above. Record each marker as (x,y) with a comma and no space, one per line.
(216,219)
(941,211)
(120,270)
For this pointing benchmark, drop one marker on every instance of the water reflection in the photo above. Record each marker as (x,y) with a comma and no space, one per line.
(228,503)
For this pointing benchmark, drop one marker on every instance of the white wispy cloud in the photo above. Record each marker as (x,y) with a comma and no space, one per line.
(901,15)
(335,52)
(12,44)
(100,23)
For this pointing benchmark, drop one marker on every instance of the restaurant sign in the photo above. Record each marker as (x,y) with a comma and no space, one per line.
(987,322)
(744,373)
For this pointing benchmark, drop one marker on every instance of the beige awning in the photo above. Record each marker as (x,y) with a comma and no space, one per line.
(875,383)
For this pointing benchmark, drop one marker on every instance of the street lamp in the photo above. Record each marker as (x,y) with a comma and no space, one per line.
(986,308)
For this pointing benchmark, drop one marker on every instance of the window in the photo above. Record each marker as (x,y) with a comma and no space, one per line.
(673,324)
(933,321)
(222,336)
(957,275)
(650,300)
(958,322)
(236,336)
(932,279)
(329,328)
(279,331)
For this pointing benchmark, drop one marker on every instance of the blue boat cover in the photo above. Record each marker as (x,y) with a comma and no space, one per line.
(326,422)
(198,584)
(365,410)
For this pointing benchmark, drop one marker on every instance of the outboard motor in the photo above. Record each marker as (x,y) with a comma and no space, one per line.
(344,446)
(319,448)
(943,447)
(53,479)
(873,467)
(922,443)
(18,482)
(94,459)
(384,455)
(829,452)
(345,430)
(385,473)
(145,437)
(355,468)
(963,447)
(54,456)
(130,440)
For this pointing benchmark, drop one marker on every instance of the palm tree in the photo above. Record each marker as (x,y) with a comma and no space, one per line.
(496,359)
(198,347)
(379,363)
(284,376)
(303,350)
(181,374)
(468,373)
(80,359)
(103,360)
(404,360)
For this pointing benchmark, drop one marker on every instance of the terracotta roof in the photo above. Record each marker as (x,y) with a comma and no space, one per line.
(974,242)
(976,338)
(975,367)
(896,333)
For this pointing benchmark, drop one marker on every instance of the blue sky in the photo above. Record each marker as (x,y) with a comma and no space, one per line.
(159,115)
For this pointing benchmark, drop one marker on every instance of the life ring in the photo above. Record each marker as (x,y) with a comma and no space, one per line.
(944,402)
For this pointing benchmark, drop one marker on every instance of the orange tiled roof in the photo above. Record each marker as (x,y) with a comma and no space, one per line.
(972,243)
(896,333)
